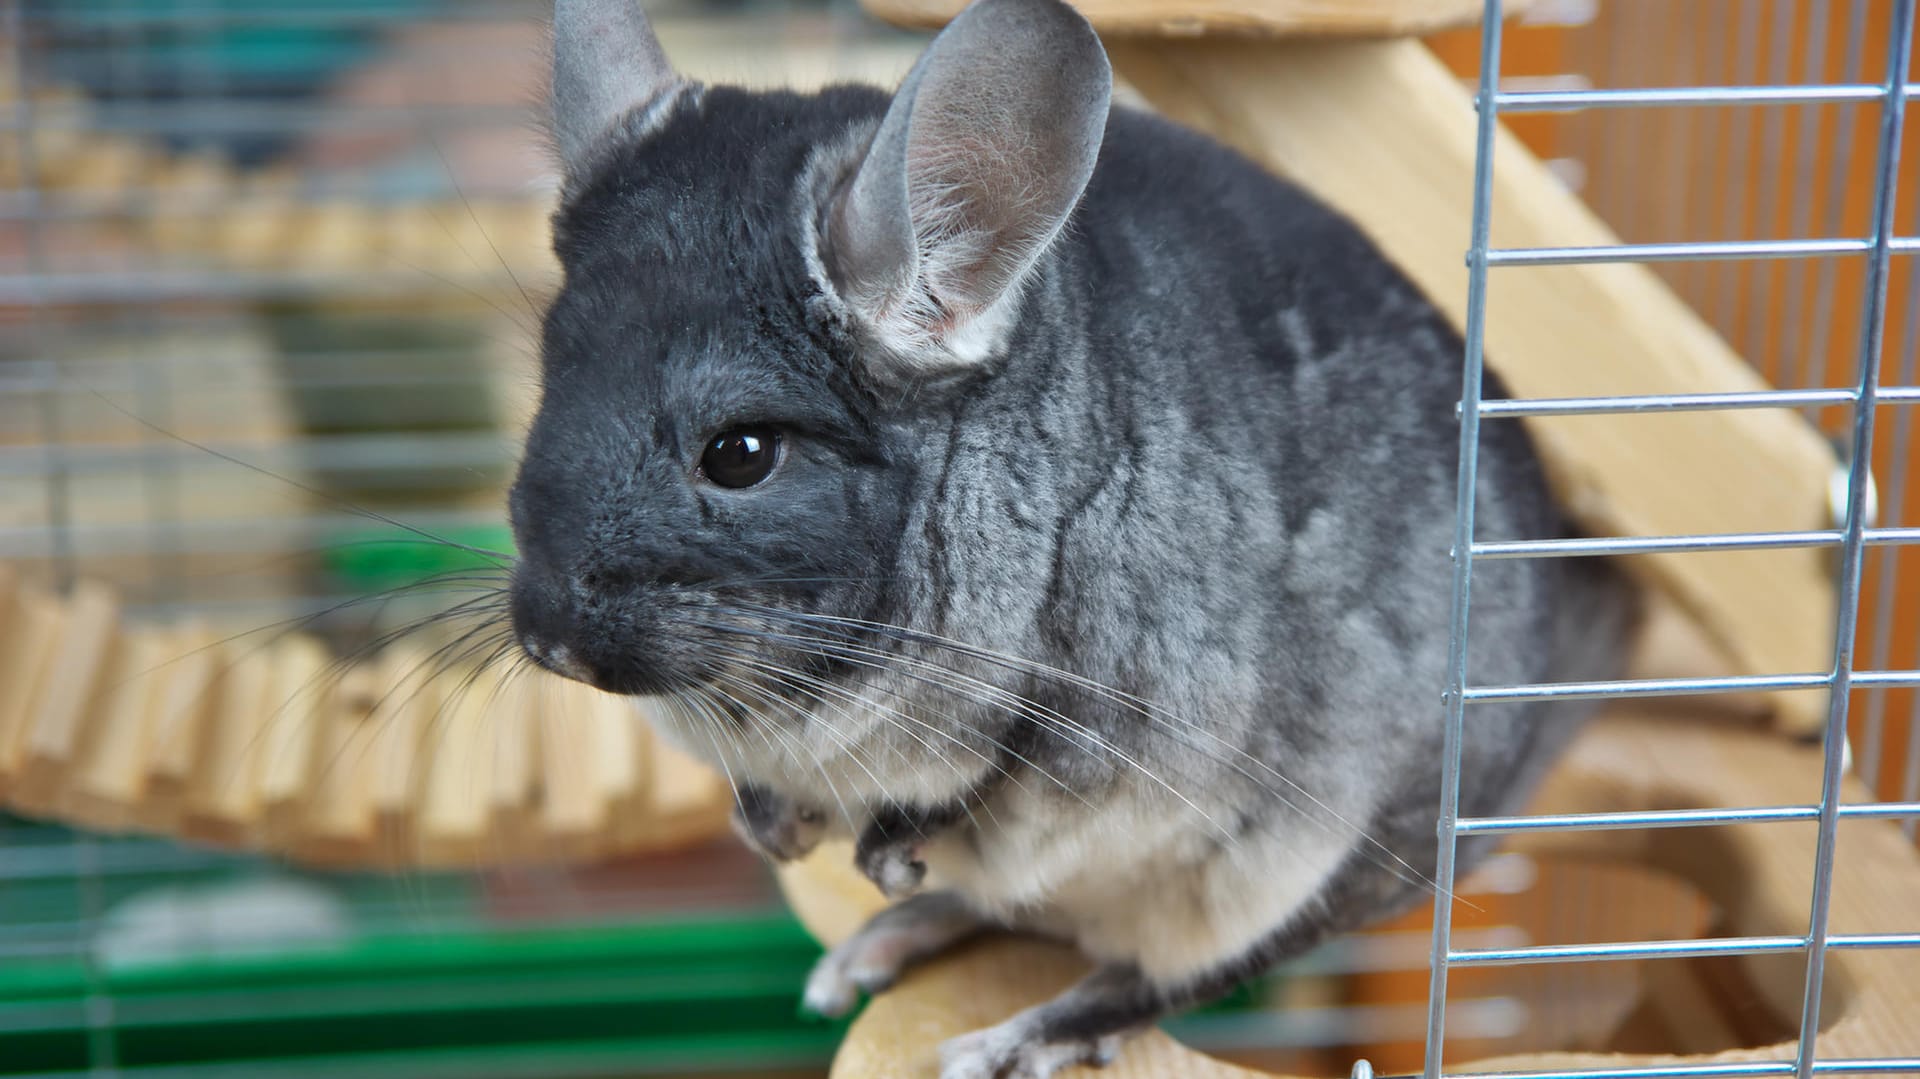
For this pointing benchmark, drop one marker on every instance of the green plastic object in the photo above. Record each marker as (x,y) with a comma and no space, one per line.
(375,559)
(694,994)
(429,981)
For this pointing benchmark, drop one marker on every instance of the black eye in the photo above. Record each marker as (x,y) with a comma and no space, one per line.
(741,457)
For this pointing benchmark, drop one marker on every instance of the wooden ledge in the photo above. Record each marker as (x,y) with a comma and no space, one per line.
(1757,875)
(1231,18)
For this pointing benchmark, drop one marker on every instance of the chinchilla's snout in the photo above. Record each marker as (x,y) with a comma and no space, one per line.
(606,636)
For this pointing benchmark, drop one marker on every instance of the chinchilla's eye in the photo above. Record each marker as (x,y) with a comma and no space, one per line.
(741,457)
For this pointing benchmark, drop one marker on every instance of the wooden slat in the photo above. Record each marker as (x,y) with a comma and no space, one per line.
(338,825)
(222,797)
(624,757)
(188,695)
(34,625)
(302,700)
(108,782)
(1231,18)
(575,801)
(395,733)
(453,818)
(685,800)
(513,773)
(69,702)
(1385,133)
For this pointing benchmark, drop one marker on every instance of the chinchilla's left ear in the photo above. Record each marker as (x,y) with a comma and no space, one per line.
(606,66)
(982,156)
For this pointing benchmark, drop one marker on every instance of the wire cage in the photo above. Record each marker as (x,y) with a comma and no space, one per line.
(269,275)
(1796,329)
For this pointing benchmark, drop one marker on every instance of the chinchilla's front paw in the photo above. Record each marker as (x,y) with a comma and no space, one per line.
(777,827)
(893,866)
(888,850)
(891,942)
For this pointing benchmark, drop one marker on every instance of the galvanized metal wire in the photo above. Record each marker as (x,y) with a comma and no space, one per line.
(1853,535)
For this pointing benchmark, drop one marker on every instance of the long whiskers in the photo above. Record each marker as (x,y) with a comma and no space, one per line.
(1176,725)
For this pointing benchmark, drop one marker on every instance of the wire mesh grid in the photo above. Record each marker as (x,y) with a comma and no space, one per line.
(1853,533)
(327,284)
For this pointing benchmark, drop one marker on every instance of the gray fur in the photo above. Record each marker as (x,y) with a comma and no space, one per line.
(1131,628)
(607,65)
(983,153)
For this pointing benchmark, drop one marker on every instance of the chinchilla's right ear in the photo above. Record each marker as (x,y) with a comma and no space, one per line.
(606,66)
(982,156)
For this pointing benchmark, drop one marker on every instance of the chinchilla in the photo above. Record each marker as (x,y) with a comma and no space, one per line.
(1033,491)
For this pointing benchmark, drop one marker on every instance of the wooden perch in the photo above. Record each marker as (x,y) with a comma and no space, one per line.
(1233,18)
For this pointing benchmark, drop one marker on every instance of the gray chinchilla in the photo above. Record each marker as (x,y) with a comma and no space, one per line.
(1038,493)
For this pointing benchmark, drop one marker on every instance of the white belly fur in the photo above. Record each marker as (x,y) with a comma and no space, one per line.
(1139,879)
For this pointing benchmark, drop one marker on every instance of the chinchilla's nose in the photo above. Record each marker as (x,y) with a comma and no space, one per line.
(545,626)
(592,637)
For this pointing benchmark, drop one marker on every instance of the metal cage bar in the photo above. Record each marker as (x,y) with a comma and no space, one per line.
(1853,549)
(1722,541)
(1696,251)
(1688,402)
(1675,818)
(1521,101)
(1732,1070)
(1472,374)
(1853,536)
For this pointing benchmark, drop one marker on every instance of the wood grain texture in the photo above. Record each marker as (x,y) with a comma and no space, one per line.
(1758,875)
(1230,18)
(1384,132)
(66,701)
(108,778)
(387,760)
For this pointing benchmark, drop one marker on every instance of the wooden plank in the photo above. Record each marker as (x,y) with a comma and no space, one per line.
(222,796)
(574,800)
(624,760)
(338,825)
(301,700)
(513,772)
(188,694)
(394,757)
(686,801)
(67,704)
(1384,133)
(34,624)
(108,783)
(1231,18)
(453,818)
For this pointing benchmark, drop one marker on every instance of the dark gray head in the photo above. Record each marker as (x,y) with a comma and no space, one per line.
(754,283)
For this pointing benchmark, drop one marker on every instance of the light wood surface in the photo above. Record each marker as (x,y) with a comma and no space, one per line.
(1231,18)
(281,746)
(1758,876)
(1385,133)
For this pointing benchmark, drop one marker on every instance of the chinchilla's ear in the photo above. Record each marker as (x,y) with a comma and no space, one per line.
(606,65)
(981,158)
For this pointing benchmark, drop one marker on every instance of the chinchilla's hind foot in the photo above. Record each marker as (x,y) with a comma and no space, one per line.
(1087,1024)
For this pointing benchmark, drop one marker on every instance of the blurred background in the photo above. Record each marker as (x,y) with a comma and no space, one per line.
(267,265)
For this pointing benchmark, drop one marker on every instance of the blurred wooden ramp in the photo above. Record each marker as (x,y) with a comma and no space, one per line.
(282,747)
